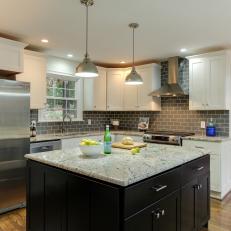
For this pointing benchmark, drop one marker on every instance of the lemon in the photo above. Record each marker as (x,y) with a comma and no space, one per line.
(134,151)
(88,142)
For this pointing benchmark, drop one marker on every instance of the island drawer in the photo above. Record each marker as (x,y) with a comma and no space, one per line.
(145,193)
(195,168)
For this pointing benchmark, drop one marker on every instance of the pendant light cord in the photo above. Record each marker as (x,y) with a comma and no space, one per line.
(86,55)
(133,48)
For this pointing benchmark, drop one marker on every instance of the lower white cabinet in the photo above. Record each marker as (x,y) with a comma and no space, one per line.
(220,162)
(35,74)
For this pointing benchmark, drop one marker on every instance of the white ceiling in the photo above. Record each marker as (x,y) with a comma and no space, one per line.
(165,26)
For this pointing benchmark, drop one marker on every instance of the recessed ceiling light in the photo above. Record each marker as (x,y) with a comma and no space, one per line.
(122,62)
(44,41)
(183,50)
(70,55)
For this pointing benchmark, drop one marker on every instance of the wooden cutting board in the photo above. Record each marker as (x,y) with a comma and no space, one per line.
(129,147)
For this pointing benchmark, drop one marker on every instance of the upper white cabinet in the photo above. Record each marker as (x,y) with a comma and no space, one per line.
(130,95)
(95,92)
(35,74)
(122,97)
(152,81)
(11,56)
(115,89)
(209,81)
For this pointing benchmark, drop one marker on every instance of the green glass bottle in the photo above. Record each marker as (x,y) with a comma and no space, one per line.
(107,141)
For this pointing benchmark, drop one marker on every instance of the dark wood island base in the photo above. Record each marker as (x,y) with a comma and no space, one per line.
(176,200)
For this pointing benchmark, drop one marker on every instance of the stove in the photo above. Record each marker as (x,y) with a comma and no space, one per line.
(165,137)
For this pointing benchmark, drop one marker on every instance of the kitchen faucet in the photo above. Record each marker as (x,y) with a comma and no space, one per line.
(63,123)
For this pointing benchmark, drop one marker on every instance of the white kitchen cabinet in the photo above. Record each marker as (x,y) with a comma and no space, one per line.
(122,97)
(115,89)
(209,78)
(95,92)
(35,74)
(130,95)
(220,162)
(152,81)
(11,56)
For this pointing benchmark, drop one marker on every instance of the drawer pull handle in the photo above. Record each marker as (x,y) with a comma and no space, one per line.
(159,188)
(162,212)
(199,147)
(200,168)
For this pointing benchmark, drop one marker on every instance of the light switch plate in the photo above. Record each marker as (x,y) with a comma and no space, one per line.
(202,124)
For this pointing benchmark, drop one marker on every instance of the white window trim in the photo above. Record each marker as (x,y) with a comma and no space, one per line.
(79,90)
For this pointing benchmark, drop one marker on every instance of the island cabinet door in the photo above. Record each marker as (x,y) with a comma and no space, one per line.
(78,204)
(162,216)
(35,197)
(104,208)
(188,206)
(203,200)
(55,200)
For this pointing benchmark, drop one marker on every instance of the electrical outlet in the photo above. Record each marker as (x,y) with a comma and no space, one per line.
(89,121)
(203,124)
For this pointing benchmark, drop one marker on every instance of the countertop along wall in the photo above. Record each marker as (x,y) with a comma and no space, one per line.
(175,114)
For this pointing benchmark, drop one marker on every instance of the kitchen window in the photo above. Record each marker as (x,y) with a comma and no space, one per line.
(64,96)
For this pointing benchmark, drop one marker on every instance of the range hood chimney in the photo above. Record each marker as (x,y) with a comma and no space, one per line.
(172,88)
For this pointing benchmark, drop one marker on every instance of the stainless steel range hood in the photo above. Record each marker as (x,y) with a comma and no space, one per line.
(172,88)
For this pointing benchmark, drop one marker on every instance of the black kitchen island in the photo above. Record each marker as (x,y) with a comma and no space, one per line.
(61,199)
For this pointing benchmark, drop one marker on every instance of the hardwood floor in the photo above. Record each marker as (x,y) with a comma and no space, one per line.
(220,217)
(13,221)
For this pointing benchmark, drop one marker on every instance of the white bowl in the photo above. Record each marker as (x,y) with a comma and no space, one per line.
(91,150)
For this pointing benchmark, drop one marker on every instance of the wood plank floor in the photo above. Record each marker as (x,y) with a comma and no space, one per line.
(220,217)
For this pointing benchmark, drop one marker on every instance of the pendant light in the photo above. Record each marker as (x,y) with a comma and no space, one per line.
(133,78)
(87,68)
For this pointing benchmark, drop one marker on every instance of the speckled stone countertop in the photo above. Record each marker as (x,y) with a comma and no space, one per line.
(121,167)
(217,139)
(49,137)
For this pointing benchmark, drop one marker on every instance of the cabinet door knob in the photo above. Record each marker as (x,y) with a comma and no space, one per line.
(198,186)
(157,214)
(159,188)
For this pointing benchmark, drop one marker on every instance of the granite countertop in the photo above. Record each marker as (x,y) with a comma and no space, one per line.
(121,167)
(49,137)
(208,139)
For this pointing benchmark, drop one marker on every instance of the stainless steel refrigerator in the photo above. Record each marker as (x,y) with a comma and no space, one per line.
(14,142)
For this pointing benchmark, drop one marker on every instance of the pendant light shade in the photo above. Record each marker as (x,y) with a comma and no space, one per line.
(87,69)
(133,78)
